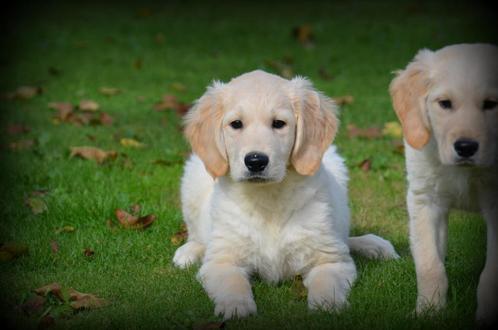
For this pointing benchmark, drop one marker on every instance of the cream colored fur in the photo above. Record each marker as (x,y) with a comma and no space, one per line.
(294,219)
(438,179)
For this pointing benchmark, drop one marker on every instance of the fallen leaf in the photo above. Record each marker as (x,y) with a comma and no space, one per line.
(298,289)
(324,74)
(54,246)
(88,252)
(88,105)
(64,110)
(180,236)
(53,288)
(282,68)
(343,100)
(131,143)
(27,92)
(12,250)
(170,102)
(179,87)
(365,165)
(128,220)
(135,209)
(109,91)
(22,145)
(368,133)
(34,304)
(37,205)
(81,300)
(39,192)
(392,129)
(398,146)
(304,35)
(65,229)
(105,119)
(14,129)
(92,153)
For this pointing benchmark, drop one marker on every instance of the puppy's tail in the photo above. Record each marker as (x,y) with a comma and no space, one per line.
(372,246)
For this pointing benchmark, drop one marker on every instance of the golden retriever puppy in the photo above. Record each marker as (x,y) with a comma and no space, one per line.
(446,102)
(264,192)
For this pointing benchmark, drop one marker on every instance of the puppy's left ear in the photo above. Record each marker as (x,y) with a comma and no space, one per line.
(317,125)
(204,132)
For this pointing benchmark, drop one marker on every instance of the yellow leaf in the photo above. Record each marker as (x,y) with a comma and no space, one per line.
(392,129)
(131,143)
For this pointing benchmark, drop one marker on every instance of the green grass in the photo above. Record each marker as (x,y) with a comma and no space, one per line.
(359,43)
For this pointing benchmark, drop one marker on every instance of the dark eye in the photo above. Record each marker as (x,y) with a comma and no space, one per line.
(236,124)
(278,124)
(488,105)
(445,104)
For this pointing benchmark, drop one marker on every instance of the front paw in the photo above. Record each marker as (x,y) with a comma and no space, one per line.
(235,307)
(329,301)
(429,307)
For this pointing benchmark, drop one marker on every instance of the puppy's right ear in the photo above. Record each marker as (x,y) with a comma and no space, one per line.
(203,129)
(408,91)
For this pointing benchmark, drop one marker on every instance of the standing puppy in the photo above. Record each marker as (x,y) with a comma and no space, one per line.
(258,198)
(447,104)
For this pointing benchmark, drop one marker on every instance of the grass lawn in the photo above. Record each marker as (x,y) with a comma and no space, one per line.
(148,50)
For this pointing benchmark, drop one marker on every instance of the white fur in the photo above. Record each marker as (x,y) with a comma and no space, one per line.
(294,224)
(466,74)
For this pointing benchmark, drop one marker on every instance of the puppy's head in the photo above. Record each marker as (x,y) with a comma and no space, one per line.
(258,125)
(451,95)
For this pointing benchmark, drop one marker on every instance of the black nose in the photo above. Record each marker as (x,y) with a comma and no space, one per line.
(466,147)
(255,161)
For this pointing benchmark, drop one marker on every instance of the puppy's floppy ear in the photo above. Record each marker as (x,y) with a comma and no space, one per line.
(203,129)
(316,126)
(408,92)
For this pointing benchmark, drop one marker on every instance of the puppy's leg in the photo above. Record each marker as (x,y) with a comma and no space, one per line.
(428,244)
(228,286)
(372,246)
(487,291)
(328,284)
(188,254)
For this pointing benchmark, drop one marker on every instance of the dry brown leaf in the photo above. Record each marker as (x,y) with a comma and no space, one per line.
(88,105)
(92,153)
(54,246)
(36,204)
(343,100)
(14,129)
(180,236)
(135,209)
(368,133)
(105,119)
(81,300)
(63,109)
(27,92)
(398,146)
(304,35)
(22,145)
(365,165)
(109,91)
(128,220)
(33,304)
(12,250)
(88,252)
(52,288)
(324,74)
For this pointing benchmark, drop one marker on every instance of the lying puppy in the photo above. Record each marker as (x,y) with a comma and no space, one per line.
(446,102)
(257,196)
